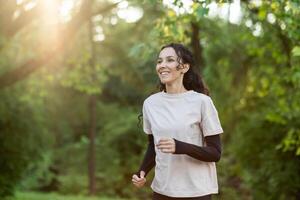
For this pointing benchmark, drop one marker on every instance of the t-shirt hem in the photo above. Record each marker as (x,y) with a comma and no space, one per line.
(147,131)
(215,132)
(185,193)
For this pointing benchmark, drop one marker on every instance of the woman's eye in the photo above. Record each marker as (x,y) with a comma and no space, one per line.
(169,60)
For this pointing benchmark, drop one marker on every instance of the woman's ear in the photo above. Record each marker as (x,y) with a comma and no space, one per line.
(186,68)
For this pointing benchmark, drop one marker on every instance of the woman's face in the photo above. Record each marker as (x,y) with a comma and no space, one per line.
(166,66)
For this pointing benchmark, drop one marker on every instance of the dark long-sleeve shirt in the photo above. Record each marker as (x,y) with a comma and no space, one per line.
(209,153)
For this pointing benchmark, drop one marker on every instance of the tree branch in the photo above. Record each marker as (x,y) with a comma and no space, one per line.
(25,18)
(68,31)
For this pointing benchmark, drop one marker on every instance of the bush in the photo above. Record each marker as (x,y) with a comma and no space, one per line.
(20,139)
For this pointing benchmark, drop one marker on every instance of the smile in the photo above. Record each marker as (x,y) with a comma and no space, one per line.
(164,73)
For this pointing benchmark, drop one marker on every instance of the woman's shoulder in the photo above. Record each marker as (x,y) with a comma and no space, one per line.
(200,95)
(153,97)
(197,96)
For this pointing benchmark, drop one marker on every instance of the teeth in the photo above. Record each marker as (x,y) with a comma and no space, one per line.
(164,73)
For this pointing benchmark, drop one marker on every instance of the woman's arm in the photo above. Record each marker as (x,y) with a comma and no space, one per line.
(210,153)
(149,158)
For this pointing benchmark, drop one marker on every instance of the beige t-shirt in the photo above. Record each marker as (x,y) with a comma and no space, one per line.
(188,117)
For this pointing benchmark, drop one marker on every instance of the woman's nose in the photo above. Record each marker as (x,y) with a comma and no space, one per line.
(160,67)
(161,64)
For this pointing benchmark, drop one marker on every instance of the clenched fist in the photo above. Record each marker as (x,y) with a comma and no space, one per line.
(139,181)
(166,145)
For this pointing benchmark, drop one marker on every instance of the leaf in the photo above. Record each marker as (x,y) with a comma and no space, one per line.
(296,51)
(136,50)
(201,12)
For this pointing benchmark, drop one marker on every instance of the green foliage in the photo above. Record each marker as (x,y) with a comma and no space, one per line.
(254,80)
(296,51)
(38,173)
(80,73)
(267,139)
(21,139)
(73,184)
(54,196)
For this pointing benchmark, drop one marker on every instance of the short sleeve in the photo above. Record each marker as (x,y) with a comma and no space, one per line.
(210,122)
(146,122)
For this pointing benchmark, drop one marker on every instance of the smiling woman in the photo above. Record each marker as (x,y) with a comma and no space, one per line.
(170,70)
(183,131)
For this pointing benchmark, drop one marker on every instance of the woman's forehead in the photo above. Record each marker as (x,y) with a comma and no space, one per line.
(168,51)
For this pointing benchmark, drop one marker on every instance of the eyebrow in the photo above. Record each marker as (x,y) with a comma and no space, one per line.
(166,57)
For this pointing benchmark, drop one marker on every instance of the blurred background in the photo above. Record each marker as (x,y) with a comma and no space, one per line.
(74,74)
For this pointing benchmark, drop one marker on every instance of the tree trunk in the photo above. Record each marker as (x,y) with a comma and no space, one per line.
(92,111)
(92,148)
(197,48)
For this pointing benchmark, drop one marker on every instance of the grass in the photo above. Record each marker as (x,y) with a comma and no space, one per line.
(54,196)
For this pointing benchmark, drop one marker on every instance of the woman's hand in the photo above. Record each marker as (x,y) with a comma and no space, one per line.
(166,145)
(139,181)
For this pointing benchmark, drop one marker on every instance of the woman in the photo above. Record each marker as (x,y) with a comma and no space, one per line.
(183,131)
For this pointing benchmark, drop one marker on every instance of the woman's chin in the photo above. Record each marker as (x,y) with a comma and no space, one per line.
(164,81)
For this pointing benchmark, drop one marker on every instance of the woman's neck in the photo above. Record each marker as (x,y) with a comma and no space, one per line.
(175,88)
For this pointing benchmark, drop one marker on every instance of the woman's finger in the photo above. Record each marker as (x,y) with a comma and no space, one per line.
(165,147)
(139,184)
(168,151)
(134,181)
(135,178)
(169,142)
(165,142)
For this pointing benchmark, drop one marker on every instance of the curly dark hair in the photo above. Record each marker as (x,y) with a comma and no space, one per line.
(191,79)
